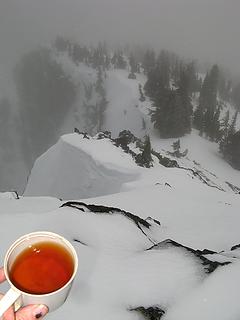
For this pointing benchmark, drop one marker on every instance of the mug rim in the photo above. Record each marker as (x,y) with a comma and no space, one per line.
(32,235)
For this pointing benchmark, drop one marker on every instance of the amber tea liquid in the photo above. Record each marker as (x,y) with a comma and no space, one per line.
(42,268)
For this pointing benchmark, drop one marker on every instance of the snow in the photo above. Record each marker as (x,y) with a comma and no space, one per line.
(119,268)
(115,271)
(77,167)
(124,111)
(216,298)
(190,212)
(205,153)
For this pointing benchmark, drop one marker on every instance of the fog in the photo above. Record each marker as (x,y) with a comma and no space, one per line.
(202,29)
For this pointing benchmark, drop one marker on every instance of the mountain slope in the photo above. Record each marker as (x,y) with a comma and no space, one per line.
(160,242)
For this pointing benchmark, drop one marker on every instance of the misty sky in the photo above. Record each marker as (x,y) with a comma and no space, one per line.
(203,29)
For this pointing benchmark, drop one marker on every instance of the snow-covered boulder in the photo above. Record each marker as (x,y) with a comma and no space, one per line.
(80,167)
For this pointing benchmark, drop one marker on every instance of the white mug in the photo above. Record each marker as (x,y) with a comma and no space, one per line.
(17,297)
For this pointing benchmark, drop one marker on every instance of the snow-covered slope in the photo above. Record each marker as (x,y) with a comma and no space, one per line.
(140,233)
(125,269)
(202,156)
(78,167)
(125,111)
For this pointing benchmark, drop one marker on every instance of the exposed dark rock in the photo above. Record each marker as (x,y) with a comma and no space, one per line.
(199,174)
(132,76)
(166,162)
(154,220)
(209,266)
(167,185)
(237,246)
(140,223)
(234,188)
(84,134)
(151,313)
(79,241)
(125,138)
(104,135)
(205,251)
(15,195)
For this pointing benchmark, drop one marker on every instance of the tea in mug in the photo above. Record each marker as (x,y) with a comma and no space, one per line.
(42,268)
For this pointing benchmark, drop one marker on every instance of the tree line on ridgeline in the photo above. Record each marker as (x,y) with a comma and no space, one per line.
(182,100)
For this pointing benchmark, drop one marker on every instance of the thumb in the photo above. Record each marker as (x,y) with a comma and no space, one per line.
(32,312)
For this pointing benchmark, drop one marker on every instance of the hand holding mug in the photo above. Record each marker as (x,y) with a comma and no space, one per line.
(30,312)
(40,268)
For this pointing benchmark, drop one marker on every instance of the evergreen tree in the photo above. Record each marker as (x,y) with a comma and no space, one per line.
(192,78)
(149,61)
(176,150)
(232,128)
(224,133)
(99,54)
(236,96)
(107,62)
(186,105)
(78,53)
(224,125)
(153,85)
(133,64)
(224,87)
(198,119)
(133,67)
(142,97)
(234,150)
(62,44)
(231,149)
(172,110)
(118,60)
(226,141)
(143,124)
(214,129)
(163,67)
(144,159)
(170,115)
(176,70)
(205,114)
(158,78)
(102,102)
(146,154)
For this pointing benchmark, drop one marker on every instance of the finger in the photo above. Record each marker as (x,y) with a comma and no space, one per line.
(2,275)
(31,312)
(9,314)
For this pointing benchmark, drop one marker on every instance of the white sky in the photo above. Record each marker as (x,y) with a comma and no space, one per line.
(203,29)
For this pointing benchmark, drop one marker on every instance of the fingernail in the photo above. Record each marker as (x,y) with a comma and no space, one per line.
(40,311)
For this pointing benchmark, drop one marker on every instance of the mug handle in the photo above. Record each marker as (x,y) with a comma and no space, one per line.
(8,299)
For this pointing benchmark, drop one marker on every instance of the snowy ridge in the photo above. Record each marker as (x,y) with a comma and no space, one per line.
(76,168)
(80,166)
